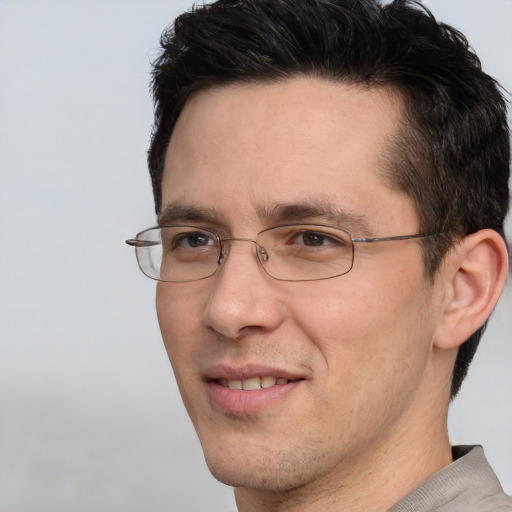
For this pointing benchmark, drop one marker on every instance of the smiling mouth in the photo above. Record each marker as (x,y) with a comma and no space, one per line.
(253,384)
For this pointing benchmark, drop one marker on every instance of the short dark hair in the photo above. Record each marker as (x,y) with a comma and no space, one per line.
(452,153)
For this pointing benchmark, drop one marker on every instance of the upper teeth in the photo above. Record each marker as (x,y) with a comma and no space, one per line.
(253,383)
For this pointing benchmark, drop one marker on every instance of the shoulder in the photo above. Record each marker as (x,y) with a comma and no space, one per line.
(480,490)
(468,484)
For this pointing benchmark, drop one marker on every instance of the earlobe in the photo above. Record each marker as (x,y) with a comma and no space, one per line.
(474,273)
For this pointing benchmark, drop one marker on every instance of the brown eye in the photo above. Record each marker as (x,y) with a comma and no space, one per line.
(193,240)
(317,239)
(313,239)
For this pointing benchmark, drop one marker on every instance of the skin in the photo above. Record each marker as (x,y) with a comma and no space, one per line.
(367,421)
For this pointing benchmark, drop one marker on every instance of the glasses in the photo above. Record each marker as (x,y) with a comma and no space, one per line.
(292,252)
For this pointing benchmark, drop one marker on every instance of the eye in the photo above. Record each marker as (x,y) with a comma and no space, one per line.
(312,239)
(317,239)
(193,240)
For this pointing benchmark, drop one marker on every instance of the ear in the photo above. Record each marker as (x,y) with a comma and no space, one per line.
(473,275)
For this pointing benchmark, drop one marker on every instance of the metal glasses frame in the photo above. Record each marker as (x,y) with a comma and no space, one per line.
(260,251)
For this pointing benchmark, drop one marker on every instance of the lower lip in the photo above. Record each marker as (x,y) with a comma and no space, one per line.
(246,402)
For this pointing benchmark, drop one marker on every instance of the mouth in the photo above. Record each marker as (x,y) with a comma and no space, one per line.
(250,390)
(254,383)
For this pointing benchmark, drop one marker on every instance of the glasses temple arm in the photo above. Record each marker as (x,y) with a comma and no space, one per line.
(140,243)
(392,238)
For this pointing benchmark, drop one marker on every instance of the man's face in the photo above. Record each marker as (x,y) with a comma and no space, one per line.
(347,359)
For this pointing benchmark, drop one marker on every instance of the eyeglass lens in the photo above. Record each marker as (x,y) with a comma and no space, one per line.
(292,252)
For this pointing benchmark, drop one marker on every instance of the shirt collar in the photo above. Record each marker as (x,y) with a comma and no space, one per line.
(467,481)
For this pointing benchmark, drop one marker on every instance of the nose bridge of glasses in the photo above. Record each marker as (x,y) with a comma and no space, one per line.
(260,251)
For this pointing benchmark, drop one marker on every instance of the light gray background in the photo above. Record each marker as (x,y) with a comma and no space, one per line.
(90,418)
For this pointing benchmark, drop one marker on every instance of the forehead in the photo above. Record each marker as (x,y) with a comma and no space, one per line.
(292,141)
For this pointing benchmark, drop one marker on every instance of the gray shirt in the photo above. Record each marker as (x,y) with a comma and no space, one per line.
(467,485)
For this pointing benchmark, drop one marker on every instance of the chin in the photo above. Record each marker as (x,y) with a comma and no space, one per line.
(266,470)
(271,481)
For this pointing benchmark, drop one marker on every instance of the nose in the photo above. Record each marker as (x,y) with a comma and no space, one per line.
(244,298)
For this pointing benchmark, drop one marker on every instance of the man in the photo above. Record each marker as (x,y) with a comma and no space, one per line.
(331,181)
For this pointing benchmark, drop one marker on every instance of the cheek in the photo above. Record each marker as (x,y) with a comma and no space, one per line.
(375,350)
(180,320)
(179,317)
(368,333)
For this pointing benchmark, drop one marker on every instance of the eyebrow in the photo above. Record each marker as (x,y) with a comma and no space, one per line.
(318,212)
(305,211)
(178,212)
